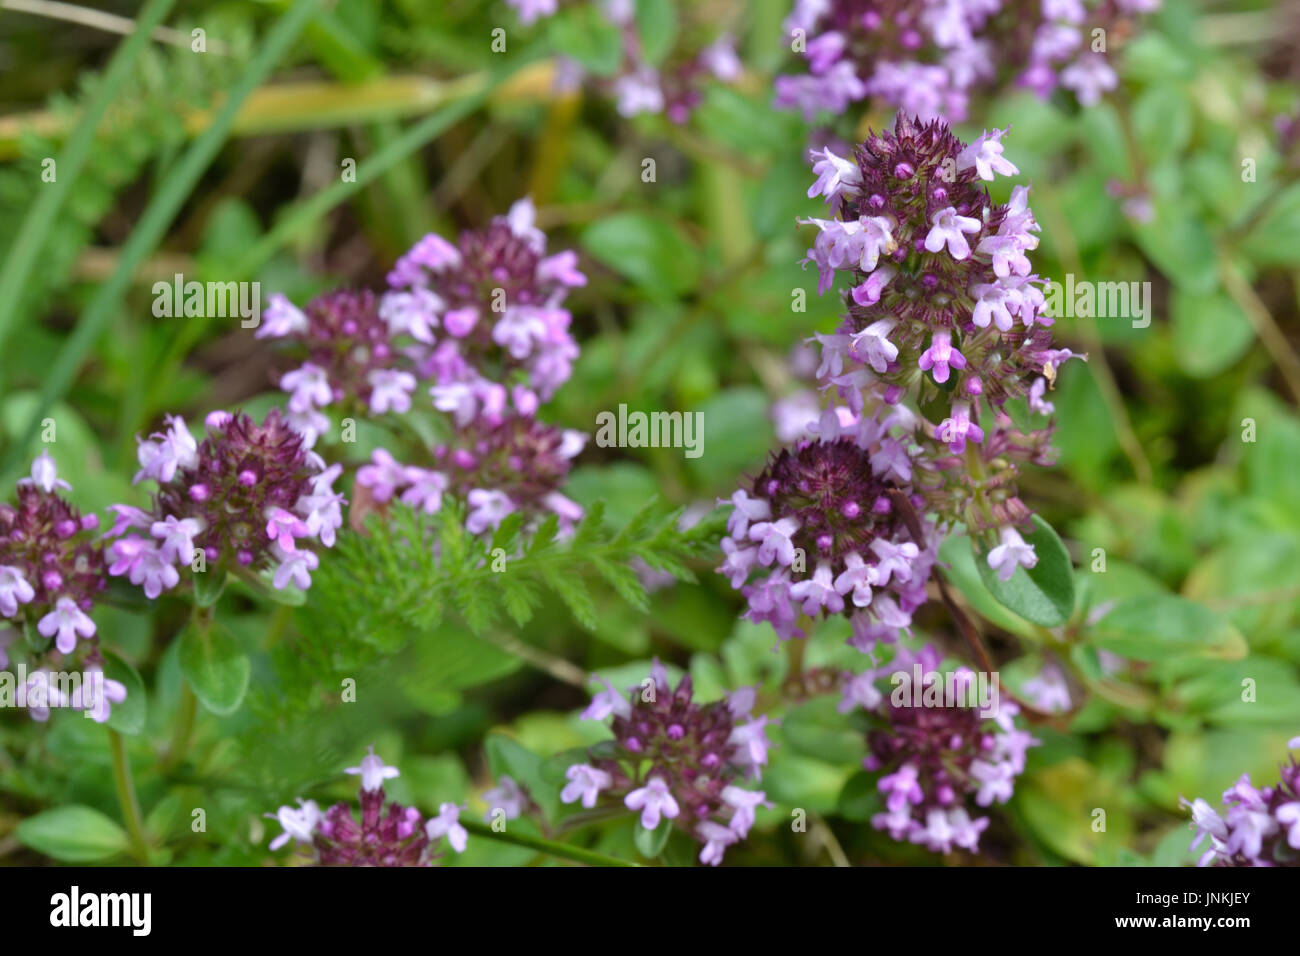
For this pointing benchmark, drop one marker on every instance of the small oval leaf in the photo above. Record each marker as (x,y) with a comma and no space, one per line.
(1043,594)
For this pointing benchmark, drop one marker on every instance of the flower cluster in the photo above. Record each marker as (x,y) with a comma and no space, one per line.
(488,313)
(927,58)
(495,466)
(944,310)
(482,322)
(391,835)
(352,355)
(247,495)
(936,755)
(673,88)
(1259,826)
(674,759)
(51,570)
(823,530)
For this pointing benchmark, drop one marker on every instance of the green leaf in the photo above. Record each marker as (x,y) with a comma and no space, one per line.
(1043,594)
(215,666)
(819,730)
(1158,626)
(208,586)
(72,834)
(1210,332)
(1275,239)
(585,35)
(656,24)
(129,716)
(1179,242)
(652,252)
(650,843)
(860,799)
(1162,120)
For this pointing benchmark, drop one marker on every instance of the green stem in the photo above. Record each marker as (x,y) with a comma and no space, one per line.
(562,850)
(187,709)
(187,705)
(126,798)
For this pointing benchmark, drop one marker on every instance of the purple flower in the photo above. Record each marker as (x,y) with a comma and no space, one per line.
(933,759)
(447,823)
(177,536)
(299,823)
(45,475)
(1012,553)
(675,759)
(14,590)
(949,229)
(67,621)
(506,796)
(308,386)
(373,771)
(242,495)
(383,476)
(653,800)
(956,430)
(985,154)
(940,356)
(390,390)
(384,835)
(716,838)
(585,784)
(831,500)
(281,318)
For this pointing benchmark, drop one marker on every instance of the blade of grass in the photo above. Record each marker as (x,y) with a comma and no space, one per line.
(43,212)
(153,223)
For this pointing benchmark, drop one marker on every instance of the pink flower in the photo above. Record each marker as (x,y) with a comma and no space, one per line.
(487,509)
(299,824)
(818,592)
(67,621)
(985,154)
(294,565)
(383,476)
(940,356)
(653,800)
(1012,553)
(390,390)
(947,228)
(14,590)
(177,538)
(373,771)
(585,783)
(308,386)
(958,428)
(447,823)
(716,839)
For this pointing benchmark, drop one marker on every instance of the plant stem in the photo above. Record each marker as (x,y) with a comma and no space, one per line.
(562,850)
(187,705)
(126,797)
(183,733)
(1266,327)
